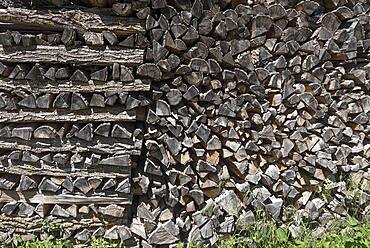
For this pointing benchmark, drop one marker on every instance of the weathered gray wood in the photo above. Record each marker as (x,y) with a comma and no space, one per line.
(33,197)
(6,117)
(71,86)
(102,148)
(83,55)
(28,170)
(77,19)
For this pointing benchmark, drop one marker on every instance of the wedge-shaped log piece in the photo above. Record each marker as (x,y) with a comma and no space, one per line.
(9,208)
(85,133)
(79,76)
(28,102)
(48,185)
(19,72)
(121,160)
(81,55)
(113,210)
(26,183)
(120,132)
(94,39)
(44,132)
(62,100)
(5,132)
(100,75)
(103,129)
(36,73)
(126,74)
(97,100)
(109,184)
(260,25)
(59,211)
(124,186)
(44,102)
(82,184)
(24,133)
(7,117)
(25,209)
(68,36)
(6,184)
(76,19)
(78,102)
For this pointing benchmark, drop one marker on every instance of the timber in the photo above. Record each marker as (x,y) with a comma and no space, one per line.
(55,87)
(34,197)
(8,117)
(78,147)
(77,19)
(62,55)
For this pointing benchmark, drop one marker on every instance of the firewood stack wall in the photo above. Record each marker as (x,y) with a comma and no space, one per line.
(195,113)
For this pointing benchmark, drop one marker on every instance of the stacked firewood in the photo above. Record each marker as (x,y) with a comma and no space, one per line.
(253,105)
(71,122)
(258,105)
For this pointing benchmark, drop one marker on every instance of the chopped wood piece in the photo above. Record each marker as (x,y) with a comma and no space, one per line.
(79,76)
(85,133)
(78,102)
(93,39)
(28,102)
(100,75)
(68,36)
(120,132)
(44,132)
(110,37)
(149,71)
(122,9)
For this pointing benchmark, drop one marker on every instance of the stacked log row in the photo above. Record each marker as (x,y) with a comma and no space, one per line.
(71,122)
(258,105)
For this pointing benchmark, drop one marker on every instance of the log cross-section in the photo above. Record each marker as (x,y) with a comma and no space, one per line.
(62,55)
(77,19)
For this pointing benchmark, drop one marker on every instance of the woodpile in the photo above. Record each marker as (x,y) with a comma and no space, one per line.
(232,106)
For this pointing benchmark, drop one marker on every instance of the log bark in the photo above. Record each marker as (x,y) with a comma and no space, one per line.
(34,197)
(8,117)
(83,55)
(81,147)
(77,19)
(55,87)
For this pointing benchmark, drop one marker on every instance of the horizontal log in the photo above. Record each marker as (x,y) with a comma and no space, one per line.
(54,87)
(82,55)
(73,148)
(34,197)
(77,19)
(7,117)
(33,171)
(35,223)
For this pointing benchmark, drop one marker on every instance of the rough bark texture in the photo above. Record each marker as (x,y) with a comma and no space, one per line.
(77,19)
(61,55)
